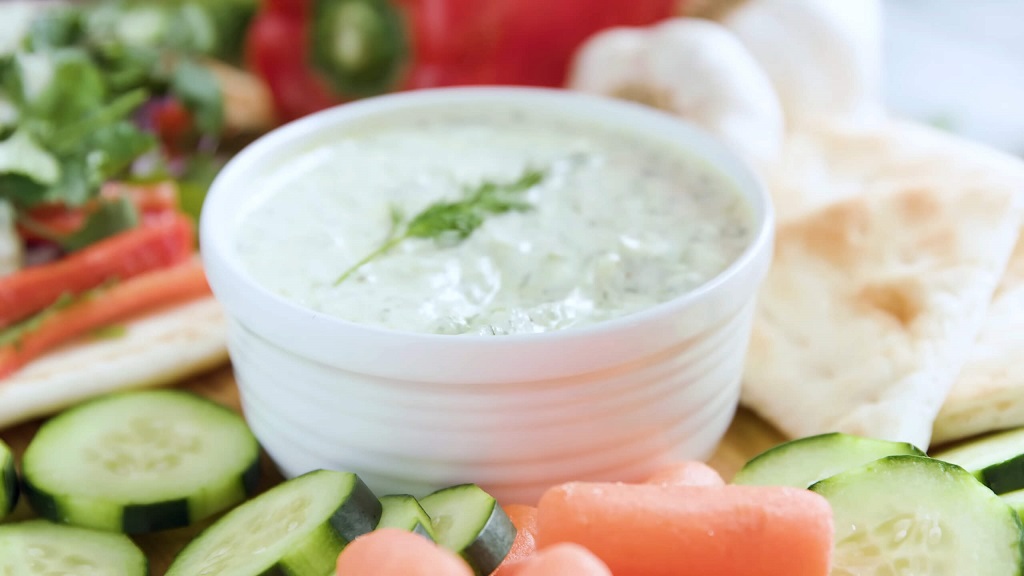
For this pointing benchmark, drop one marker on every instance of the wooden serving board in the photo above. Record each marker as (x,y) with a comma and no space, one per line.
(747,437)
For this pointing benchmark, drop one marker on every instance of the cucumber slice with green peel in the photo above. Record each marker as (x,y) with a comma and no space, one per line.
(8,481)
(404,512)
(800,463)
(468,521)
(1016,501)
(38,547)
(916,515)
(996,460)
(140,462)
(297,528)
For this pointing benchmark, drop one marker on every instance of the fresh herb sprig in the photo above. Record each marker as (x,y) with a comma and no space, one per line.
(454,221)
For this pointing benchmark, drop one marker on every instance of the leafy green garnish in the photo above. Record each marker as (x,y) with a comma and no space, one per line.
(21,154)
(54,28)
(453,221)
(72,134)
(199,91)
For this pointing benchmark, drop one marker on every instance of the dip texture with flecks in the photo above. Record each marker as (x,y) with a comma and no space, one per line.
(620,222)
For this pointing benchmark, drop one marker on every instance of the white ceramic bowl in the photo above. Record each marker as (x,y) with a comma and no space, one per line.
(415,412)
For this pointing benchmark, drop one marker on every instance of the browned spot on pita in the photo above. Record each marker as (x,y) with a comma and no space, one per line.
(834,233)
(899,299)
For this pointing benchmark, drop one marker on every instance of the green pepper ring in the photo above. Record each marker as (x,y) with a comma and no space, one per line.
(360,46)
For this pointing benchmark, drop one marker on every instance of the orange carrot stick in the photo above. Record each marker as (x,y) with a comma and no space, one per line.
(651,530)
(687,473)
(560,560)
(165,243)
(393,552)
(120,302)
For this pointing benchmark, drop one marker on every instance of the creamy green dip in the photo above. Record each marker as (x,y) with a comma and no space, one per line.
(620,222)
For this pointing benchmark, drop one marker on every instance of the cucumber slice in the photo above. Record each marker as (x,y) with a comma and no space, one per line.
(41,548)
(469,522)
(140,462)
(1016,501)
(800,463)
(917,515)
(405,513)
(996,460)
(8,481)
(297,528)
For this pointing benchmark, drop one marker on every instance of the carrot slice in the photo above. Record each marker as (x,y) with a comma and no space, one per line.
(524,518)
(165,243)
(651,530)
(120,302)
(689,473)
(560,560)
(393,552)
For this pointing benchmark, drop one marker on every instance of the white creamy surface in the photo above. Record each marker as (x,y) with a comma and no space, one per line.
(620,223)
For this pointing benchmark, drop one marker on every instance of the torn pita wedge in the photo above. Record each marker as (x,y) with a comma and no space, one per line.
(831,161)
(157,349)
(871,308)
(989,393)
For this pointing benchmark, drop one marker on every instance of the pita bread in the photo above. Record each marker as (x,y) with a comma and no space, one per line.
(989,394)
(831,161)
(871,307)
(157,349)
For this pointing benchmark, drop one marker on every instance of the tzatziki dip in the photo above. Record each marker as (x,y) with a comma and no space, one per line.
(603,223)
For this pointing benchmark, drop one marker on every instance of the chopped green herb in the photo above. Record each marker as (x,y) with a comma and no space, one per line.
(112,332)
(453,221)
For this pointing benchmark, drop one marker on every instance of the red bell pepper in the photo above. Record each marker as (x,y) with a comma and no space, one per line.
(317,53)
(165,243)
(540,37)
(153,201)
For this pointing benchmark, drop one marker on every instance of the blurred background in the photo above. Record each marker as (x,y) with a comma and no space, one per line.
(959,65)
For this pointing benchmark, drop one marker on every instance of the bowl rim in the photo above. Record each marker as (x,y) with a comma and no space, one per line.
(228,278)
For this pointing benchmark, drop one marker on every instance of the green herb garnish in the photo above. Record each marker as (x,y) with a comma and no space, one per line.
(453,221)
(112,332)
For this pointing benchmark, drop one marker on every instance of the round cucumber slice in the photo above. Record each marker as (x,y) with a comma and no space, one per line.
(40,548)
(140,462)
(996,460)
(359,45)
(468,521)
(8,481)
(297,528)
(404,512)
(1016,501)
(916,515)
(800,463)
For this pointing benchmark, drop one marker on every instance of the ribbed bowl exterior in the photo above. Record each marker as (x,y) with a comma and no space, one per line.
(515,440)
